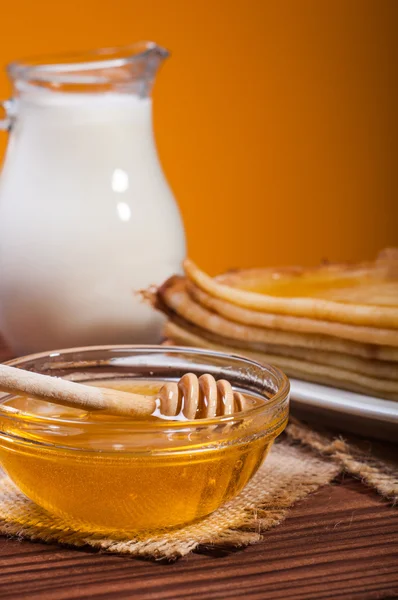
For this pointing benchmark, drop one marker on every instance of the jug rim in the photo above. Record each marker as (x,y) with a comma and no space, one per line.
(97,66)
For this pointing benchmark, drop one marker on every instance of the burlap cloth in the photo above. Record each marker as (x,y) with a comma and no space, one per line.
(299,463)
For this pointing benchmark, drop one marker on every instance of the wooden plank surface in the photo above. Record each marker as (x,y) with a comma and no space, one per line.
(341,542)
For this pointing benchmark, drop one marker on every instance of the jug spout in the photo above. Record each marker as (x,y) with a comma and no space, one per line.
(157,51)
(152,58)
(129,68)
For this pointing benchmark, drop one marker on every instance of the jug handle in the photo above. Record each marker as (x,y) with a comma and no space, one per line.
(6,121)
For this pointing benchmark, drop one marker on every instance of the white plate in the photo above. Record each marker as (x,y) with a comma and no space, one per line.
(347,411)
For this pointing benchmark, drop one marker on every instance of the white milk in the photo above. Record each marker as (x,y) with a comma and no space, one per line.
(86,219)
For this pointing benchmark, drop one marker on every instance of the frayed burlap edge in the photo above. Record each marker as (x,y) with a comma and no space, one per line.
(376,464)
(289,474)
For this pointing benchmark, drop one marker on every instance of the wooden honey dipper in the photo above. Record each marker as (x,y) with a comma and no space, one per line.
(194,397)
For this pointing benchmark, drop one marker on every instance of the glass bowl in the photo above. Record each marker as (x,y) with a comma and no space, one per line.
(113,475)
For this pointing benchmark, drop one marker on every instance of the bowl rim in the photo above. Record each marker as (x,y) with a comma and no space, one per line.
(163,425)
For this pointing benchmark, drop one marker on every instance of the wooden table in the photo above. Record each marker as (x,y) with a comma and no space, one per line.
(341,542)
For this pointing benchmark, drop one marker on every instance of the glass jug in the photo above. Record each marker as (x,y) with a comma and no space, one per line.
(86,216)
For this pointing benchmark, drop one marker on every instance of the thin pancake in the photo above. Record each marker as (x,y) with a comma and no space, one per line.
(246,316)
(356,295)
(372,368)
(173,297)
(300,369)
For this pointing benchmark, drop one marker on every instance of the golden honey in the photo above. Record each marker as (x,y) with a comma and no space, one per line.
(107,474)
(325,285)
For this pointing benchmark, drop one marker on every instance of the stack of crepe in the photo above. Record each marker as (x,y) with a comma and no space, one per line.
(335,324)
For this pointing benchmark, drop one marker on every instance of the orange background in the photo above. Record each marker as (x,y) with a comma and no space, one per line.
(276,120)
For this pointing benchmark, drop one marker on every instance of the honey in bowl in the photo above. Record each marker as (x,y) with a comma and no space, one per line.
(111,474)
